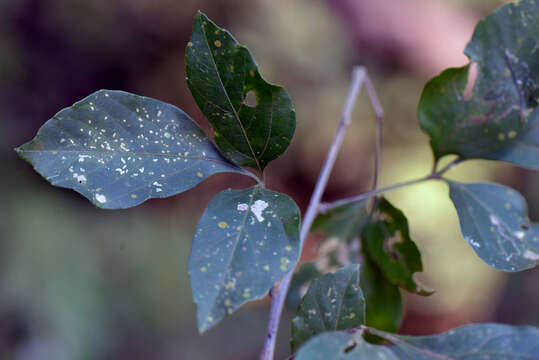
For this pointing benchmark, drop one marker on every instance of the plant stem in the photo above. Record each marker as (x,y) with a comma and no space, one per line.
(325,207)
(279,291)
(379,113)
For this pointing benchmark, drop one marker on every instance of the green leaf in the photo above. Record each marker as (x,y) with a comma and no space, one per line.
(245,242)
(493,219)
(389,245)
(299,284)
(470,342)
(385,304)
(333,302)
(119,149)
(491,116)
(345,222)
(220,74)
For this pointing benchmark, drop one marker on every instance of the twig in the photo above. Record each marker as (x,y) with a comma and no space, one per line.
(379,112)
(279,291)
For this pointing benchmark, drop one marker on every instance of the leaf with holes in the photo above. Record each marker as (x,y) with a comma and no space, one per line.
(493,219)
(490,116)
(119,149)
(389,245)
(478,341)
(222,76)
(384,301)
(245,242)
(333,302)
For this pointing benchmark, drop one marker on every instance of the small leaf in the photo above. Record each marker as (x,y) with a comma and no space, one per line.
(245,242)
(490,117)
(333,302)
(345,222)
(470,342)
(493,219)
(389,245)
(299,284)
(119,149)
(384,301)
(221,74)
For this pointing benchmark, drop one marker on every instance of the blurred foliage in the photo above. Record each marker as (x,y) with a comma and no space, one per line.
(79,283)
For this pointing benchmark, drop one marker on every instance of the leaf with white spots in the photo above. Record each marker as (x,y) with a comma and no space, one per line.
(492,116)
(245,242)
(469,342)
(493,219)
(389,246)
(222,77)
(333,302)
(119,149)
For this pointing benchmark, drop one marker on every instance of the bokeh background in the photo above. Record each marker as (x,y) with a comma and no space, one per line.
(77,282)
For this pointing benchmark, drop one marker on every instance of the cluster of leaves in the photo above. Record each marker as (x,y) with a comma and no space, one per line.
(119,149)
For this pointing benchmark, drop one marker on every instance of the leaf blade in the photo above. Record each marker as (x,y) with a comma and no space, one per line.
(220,74)
(477,341)
(493,220)
(333,302)
(245,242)
(482,118)
(119,149)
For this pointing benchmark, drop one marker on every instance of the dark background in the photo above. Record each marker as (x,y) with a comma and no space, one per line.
(77,282)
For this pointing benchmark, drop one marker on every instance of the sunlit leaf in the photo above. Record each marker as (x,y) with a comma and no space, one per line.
(119,149)
(245,242)
(470,342)
(333,302)
(493,219)
(490,116)
(253,120)
(389,245)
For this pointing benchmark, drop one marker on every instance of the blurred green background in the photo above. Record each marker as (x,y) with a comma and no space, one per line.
(77,282)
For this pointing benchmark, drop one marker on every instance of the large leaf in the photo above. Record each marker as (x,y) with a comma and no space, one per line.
(220,74)
(493,219)
(491,117)
(119,149)
(245,242)
(470,342)
(384,301)
(389,245)
(333,302)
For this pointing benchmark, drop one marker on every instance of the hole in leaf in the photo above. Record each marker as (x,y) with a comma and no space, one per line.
(472,76)
(250,99)
(524,226)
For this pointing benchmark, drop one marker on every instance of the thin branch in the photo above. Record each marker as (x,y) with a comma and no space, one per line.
(325,207)
(279,291)
(379,112)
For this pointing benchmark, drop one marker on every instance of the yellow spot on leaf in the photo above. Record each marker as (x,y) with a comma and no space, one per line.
(352,315)
(222,224)
(501,137)
(284,261)
(133,196)
(247,294)
(203,269)
(189,44)
(238,227)
(266,267)
(288,248)
(227,302)
(512,134)
(199,174)
(229,285)
(252,72)
(507,206)
(217,43)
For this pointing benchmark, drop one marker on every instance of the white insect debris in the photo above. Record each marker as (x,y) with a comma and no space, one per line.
(257,208)
(80,178)
(519,234)
(472,242)
(494,220)
(243,207)
(82,157)
(101,198)
(528,254)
